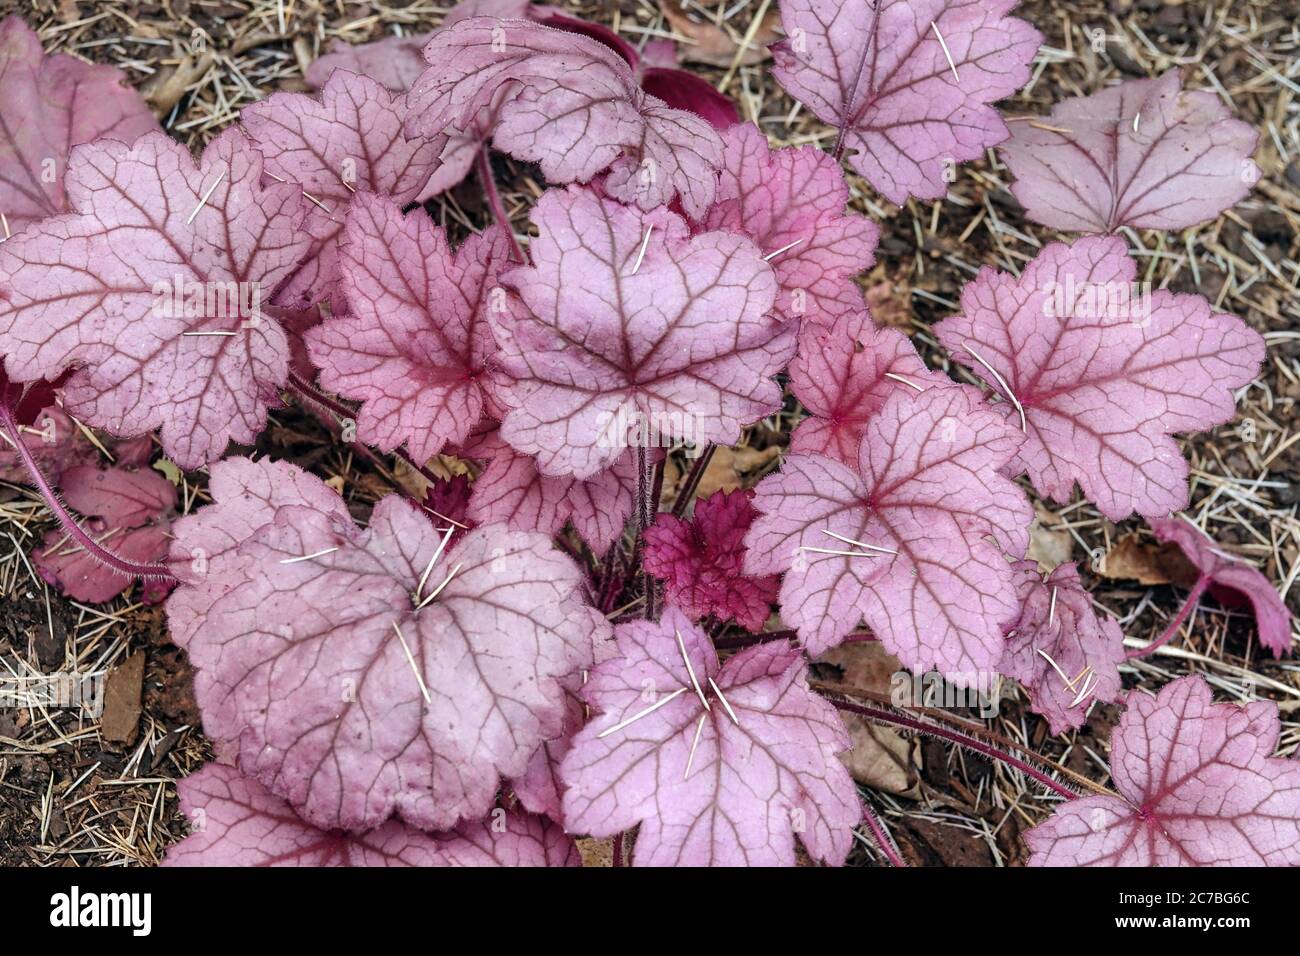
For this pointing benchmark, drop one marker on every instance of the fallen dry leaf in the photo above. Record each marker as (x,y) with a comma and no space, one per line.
(708,43)
(1149,564)
(122,700)
(1050,548)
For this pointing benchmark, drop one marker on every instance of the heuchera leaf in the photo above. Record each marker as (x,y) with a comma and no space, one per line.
(791,203)
(908,82)
(1198,786)
(59,446)
(1232,581)
(126,509)
(414,346)
(322,674)
(914,514)
(843,373)
(347,140)
(50,104)
(1105,371)
(631,324)
(1064,653)
(513,491)
(393,62)
(727,784)
(238,822)
(1145,153)
(153,287)
(701,561)
(572,105)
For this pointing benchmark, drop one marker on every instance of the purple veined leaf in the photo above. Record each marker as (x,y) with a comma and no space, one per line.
(1198,786)
(511,490)
(362,674)
(909,83)
(635,332)
(347,141)
(791,202)
(701,562)
(50,104)
(414,346)
(235,821)
(153,286)
(913,540)
(1231,581)
(571,105)
(1145,153)
(1104,371)
(843,373)
(127,510)
(720,765)
(1065,654)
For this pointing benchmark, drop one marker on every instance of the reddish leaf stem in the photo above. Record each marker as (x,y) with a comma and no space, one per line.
(484,167)
(883,840)
(687,491)
(956,737)
(148,572)
(1172,630)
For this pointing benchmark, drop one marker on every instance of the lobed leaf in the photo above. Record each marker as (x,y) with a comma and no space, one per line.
(414,346)
(1065,654)
(1197,787)
(1145,154)
(900,539)
(1105,371)
(152,288)
(634,332)
(349,140)
(348,681)
(568,103)
(49,104)
(727,784)
(908,83)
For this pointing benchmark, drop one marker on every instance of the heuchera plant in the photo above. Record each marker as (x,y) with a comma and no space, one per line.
(531,651)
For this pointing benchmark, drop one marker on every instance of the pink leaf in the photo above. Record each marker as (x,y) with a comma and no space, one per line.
(238,822)
(127,510)
(414,346)
(540,789)
(913,518)
(791,203)
(843,374)
(49,105)
(908,82)
(701,561)
(325,678)
(1105,371)
(724,785)
(512,839)
(348,140)
(55,443)
(1198,787)
(1064,653)
(153,286)
(393,62)
(635,333)
(513,491)
(572,105)
(1145,154)
(1232,581)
